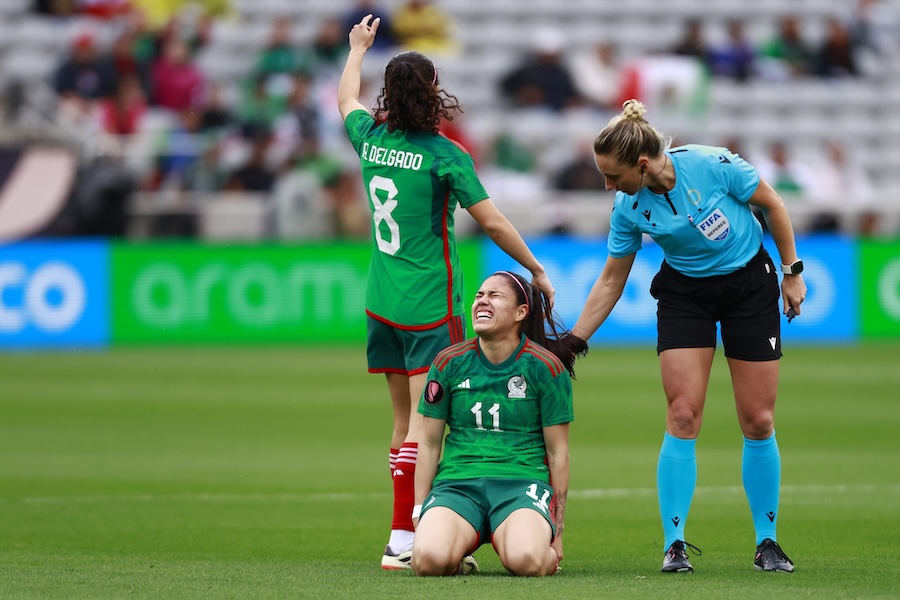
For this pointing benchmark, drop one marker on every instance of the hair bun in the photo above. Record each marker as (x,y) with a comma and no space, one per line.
(633,109)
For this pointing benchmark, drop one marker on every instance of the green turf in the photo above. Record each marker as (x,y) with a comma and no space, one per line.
(262,473)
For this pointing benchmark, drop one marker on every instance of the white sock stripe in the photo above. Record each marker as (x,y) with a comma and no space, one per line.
(409,455)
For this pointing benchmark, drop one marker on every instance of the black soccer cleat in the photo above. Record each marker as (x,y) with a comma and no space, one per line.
(770,557)
(676,560)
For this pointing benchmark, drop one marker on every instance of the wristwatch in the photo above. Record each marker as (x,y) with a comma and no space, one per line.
(795,268)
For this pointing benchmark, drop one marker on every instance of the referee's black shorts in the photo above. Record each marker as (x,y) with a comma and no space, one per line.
(744,302)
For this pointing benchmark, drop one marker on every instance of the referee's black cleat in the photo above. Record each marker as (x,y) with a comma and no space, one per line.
(770,557)
(676,560)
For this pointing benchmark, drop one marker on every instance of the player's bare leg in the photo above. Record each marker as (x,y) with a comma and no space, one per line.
(442,540)
(523,543)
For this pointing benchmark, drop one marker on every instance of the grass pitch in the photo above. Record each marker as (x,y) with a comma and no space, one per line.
(262,473)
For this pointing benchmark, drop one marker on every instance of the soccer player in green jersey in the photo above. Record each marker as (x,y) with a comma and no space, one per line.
(506,396)
(415,179)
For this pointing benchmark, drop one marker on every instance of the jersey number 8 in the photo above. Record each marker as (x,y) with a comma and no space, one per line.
(382,213)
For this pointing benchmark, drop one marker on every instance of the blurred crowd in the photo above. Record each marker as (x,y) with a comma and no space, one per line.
(133,81)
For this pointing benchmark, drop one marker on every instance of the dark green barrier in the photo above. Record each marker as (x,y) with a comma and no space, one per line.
(270,293)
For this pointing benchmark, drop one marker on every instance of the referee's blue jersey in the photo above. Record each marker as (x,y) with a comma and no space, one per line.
(704,224)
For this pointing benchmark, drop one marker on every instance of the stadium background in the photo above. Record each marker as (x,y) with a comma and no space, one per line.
(189,416)
(85,262)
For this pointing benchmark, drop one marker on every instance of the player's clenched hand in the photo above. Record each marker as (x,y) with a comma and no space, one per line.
(363,33)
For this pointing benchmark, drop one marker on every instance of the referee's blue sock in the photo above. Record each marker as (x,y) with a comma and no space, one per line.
(761,473)
(676,478)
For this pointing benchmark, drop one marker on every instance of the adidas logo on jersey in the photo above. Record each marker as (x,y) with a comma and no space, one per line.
(465,385)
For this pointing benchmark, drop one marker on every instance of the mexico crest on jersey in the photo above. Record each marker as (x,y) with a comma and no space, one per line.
(516,386)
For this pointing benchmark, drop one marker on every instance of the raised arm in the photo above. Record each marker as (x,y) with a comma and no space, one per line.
(502,232)
(361,37)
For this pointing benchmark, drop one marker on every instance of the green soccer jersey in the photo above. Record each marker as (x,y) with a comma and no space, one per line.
(496,413)
(414,183)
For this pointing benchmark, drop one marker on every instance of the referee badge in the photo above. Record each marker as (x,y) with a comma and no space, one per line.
(516,386)
(716,226)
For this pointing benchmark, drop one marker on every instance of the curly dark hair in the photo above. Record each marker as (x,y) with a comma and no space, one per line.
(409,100)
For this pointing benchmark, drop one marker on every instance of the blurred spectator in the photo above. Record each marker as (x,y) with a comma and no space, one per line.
(55,8)
(385,40)
(126,63)
(692,41)
(301,121)
(258,106)
(190,24)
(277,61)
(836,56)
(788,175)
(735,57)
(123,112)
(177,150)
(81,79)
(205,174)
(842,182)
(423,26)
(104,9)
(787,54)
(160,12)
(598,76)
(177,82)
(542,80)
(580,174)
(254,175)
(84,73)
(319,186)
(215,114)
(325,57)
(96,9)
(145,43)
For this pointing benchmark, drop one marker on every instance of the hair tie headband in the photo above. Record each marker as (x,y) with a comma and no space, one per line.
(521,287)
(434,79)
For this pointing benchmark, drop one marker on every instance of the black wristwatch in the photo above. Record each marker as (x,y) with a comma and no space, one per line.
(795,268)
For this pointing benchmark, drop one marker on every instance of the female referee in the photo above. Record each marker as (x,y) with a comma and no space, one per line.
(414,178)
(694,201)
(506,396)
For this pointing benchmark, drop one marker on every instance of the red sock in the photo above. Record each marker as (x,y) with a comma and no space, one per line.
(392,459)
(405,487)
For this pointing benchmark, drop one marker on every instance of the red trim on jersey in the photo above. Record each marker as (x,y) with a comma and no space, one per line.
(397,371)
(457,333)
(548,358)
(408,327)
(448,265)
(418,371)
(444,356)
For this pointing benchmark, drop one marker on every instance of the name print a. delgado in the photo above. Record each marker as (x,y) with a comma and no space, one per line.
(391,158)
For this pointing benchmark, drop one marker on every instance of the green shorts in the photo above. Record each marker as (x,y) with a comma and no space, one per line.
(486,502)
(408,351)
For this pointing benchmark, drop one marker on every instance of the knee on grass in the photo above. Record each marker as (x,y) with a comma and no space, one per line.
(428,563)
